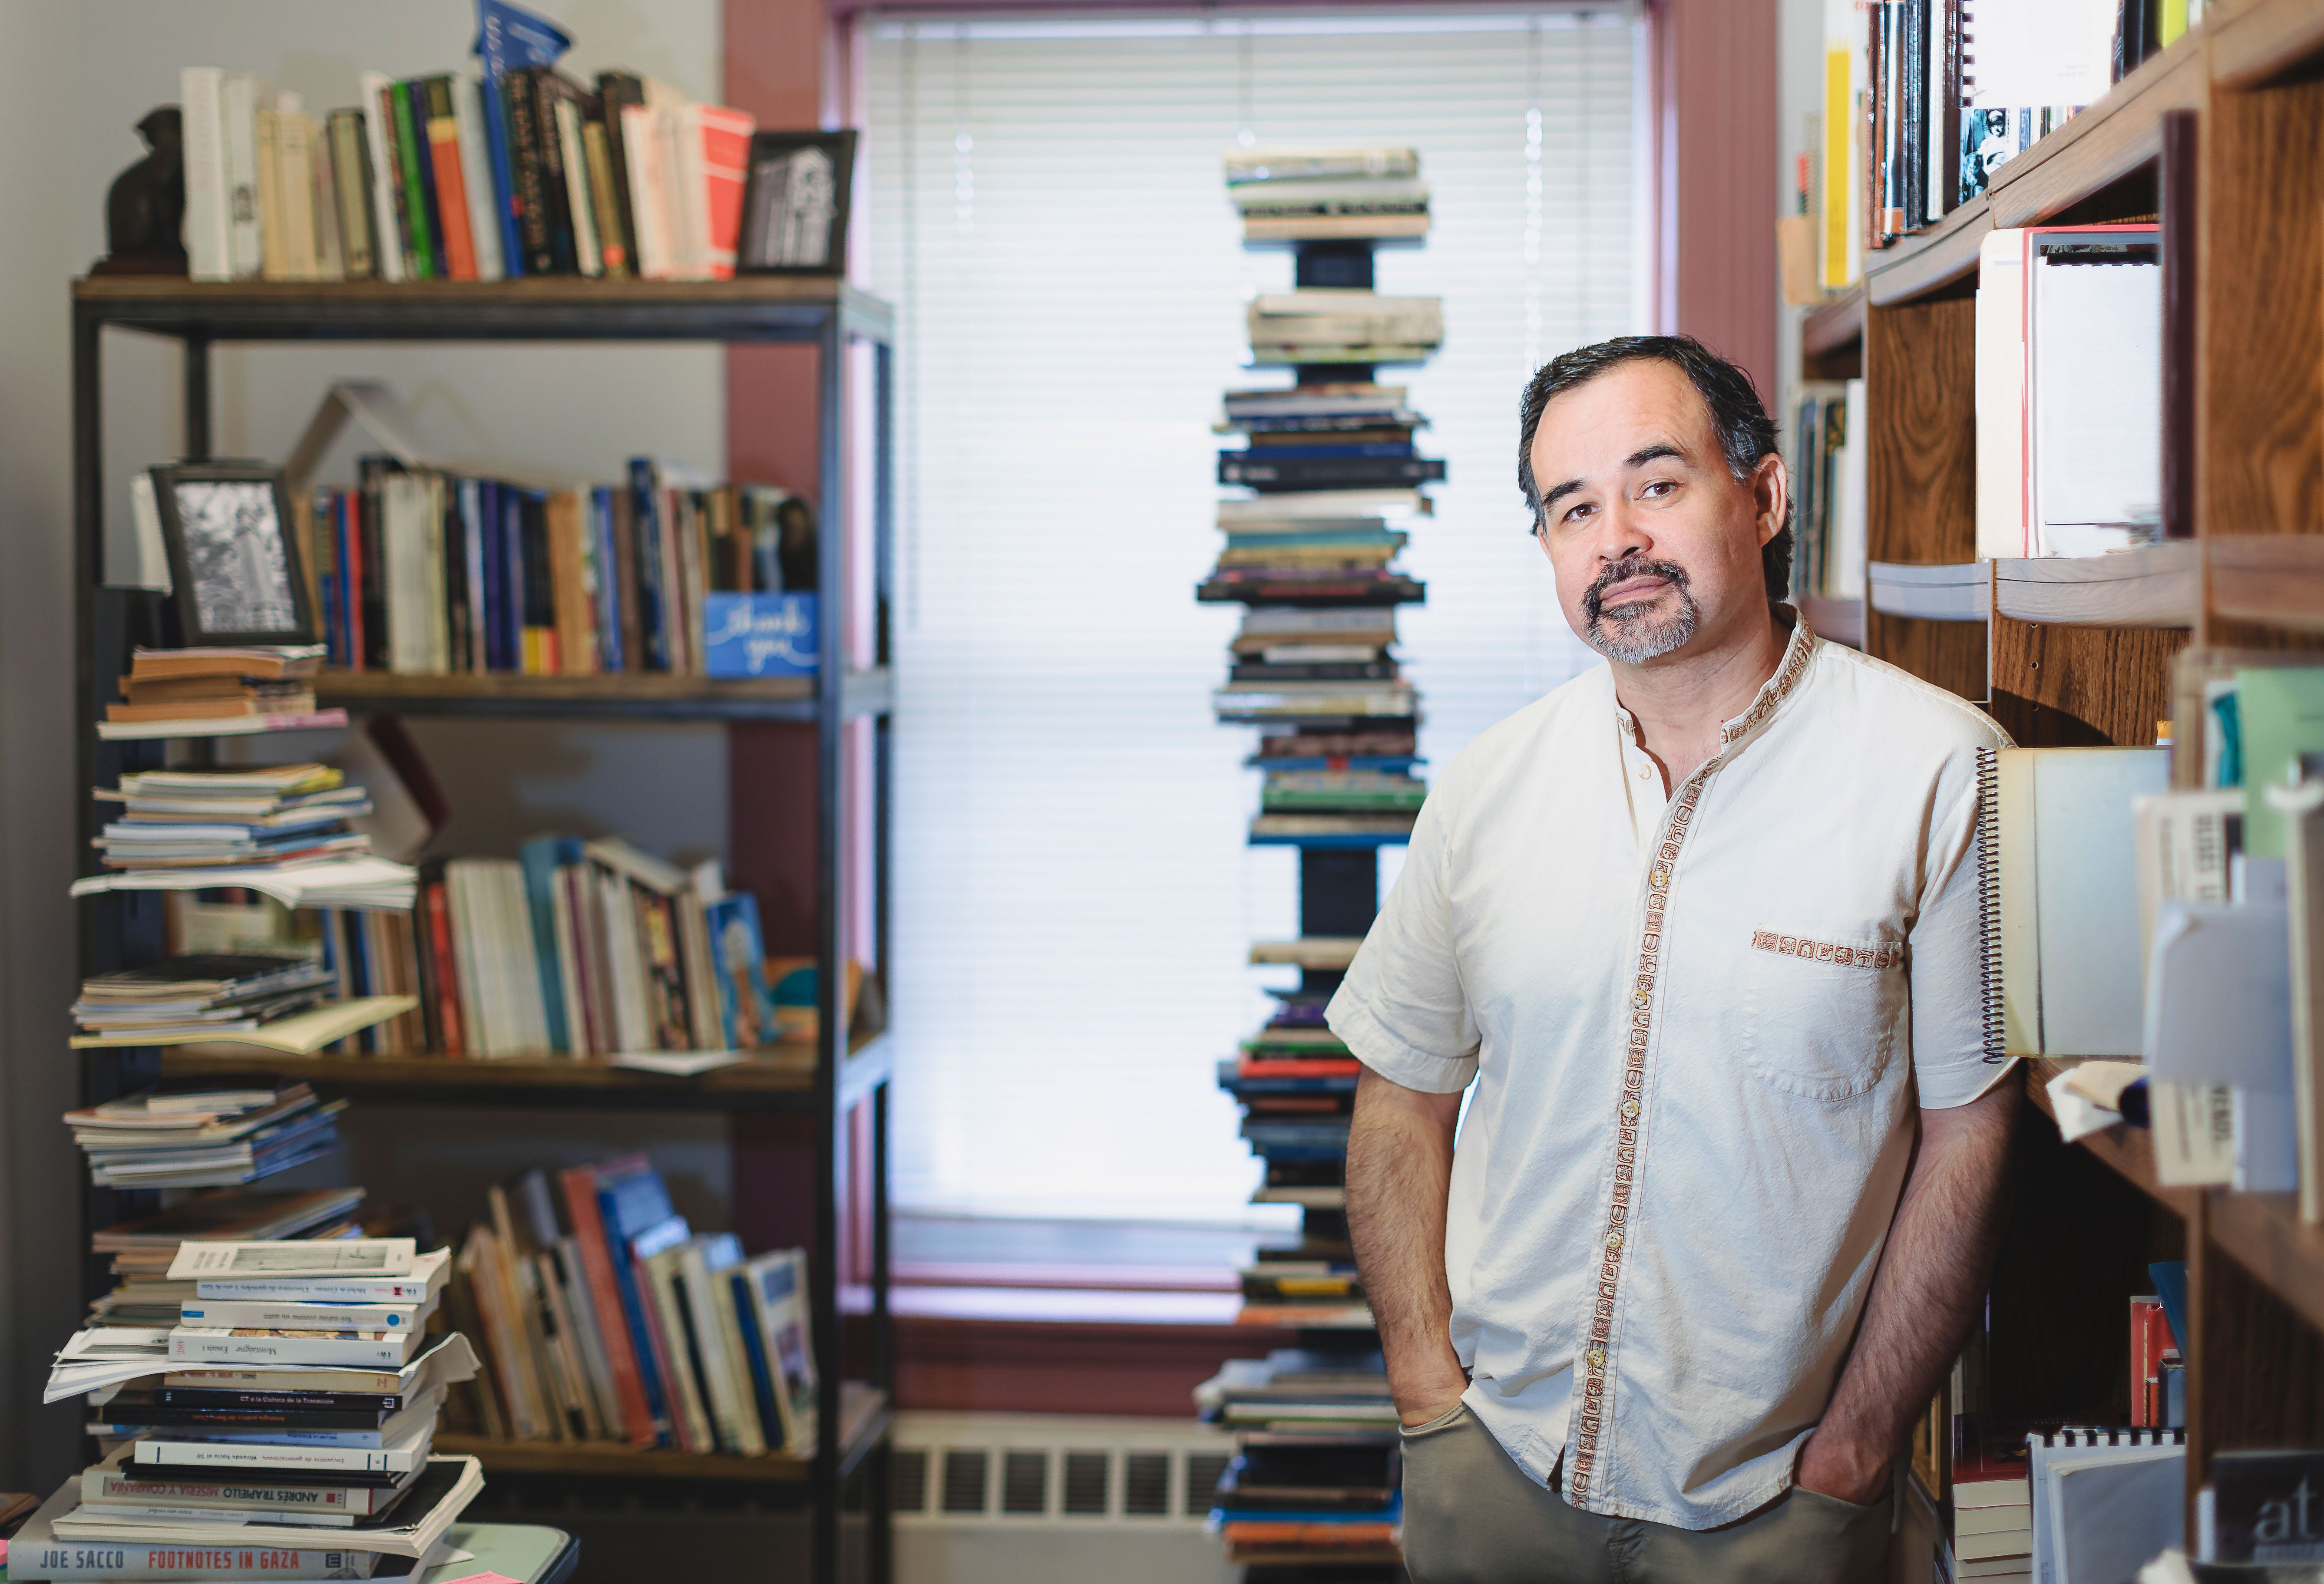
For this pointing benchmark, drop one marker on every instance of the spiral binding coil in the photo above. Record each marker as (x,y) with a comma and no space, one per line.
(1988,902)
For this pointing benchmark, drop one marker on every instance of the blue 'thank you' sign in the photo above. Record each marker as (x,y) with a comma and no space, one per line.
(760,634)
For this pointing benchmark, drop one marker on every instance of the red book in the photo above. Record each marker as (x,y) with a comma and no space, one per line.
(580,1185)
(448,974)
(1297,1067)
(451,186)
(725,167)
(2149,1338)
(351,567)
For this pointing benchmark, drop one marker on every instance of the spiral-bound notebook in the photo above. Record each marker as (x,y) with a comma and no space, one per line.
(2105,1501)
(2058,881)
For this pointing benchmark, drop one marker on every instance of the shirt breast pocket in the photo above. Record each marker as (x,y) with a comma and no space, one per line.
(1819,1013)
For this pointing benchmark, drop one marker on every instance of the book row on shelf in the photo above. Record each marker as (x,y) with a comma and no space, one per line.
(1333,490)
(447,178)
(419,571)
(1925,100)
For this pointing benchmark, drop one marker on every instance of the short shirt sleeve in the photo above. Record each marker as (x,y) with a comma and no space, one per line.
(1402,1009)
(1946,955)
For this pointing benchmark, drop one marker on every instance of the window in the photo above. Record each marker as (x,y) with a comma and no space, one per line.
(1047,210)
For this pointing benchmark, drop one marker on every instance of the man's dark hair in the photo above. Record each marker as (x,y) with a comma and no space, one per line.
(1745,433)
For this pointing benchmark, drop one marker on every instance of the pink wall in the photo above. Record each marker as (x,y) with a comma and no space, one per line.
(1716,137)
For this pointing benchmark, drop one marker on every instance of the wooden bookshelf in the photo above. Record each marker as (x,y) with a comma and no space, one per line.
(1961,592)
(626,694)
(2080,652)
(864,1417)
(781,1079)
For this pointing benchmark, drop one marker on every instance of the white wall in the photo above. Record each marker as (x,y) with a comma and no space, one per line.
(74,80)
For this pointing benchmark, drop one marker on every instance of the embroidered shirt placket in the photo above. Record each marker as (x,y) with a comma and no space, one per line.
(1597,1362)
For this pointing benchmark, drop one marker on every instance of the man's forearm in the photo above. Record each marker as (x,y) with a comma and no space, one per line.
(1932,1281)
(1399,1181)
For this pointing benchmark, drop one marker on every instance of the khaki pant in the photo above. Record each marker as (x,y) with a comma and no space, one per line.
(1472,1516)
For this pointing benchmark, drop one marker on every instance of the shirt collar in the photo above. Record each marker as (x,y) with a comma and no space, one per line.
(1772,693)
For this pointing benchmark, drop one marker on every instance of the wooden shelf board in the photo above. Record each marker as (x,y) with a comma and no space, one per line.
(1957,593)
(779,1076)
(2129,1151)
(2105,142)
(2265,1236)
(2275,580)
(1838,322)
(1840,621)
(865,1419)
(647,694)
(749,307)
(2159,586)
(1927,260)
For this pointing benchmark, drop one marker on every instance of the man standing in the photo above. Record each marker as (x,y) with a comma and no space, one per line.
(1702,926)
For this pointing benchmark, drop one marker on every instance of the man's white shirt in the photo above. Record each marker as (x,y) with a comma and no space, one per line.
(1698,1024)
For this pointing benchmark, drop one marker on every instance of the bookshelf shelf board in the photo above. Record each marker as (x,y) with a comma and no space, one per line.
(2108,141)
(2129,1151)
(779,1080)
(2158,586)
(1928,260)
(865,1419)
(1837,324)
(1337,841)
(2265,1236)
(1958,592)
(553,308)
(2274,579)
(1840,621)
(2253,43)
(643,695)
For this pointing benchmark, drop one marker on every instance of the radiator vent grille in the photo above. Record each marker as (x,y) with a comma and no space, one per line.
(1203,1472)
(911,1489)
(1083,1470)
(1025,1482)
(1085,1483)
(964,1480)
(1146,1485)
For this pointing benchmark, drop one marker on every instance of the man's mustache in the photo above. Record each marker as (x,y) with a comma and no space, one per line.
(1670,571)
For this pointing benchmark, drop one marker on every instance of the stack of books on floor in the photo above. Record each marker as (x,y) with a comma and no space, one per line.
(421,571)
(1313,1491)
(1305,194)
(204,1140)
(218,692)
(263,1393)
(617,1323)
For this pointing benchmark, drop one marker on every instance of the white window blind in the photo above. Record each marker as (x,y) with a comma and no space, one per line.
(1074,898)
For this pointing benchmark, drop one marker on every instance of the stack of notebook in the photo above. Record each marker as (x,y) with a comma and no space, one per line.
(205,819)
(218,691)
(1293,194)
(214,1139)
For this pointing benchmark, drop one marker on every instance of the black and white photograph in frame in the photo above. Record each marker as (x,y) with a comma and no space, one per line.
(234,563)
(795,205)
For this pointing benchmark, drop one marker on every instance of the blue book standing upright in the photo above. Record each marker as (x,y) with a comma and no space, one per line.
(632,1204)
(543,856)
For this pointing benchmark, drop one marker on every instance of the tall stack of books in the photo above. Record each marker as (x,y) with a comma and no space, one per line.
(263,1390)
(206,819)
(218,692)
(1312,1490)
(1333,486)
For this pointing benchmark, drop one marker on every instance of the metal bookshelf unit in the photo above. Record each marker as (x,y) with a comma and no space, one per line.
(846,1069)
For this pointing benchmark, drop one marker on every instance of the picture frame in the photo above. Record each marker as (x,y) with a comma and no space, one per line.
(795,204)
(236,572)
